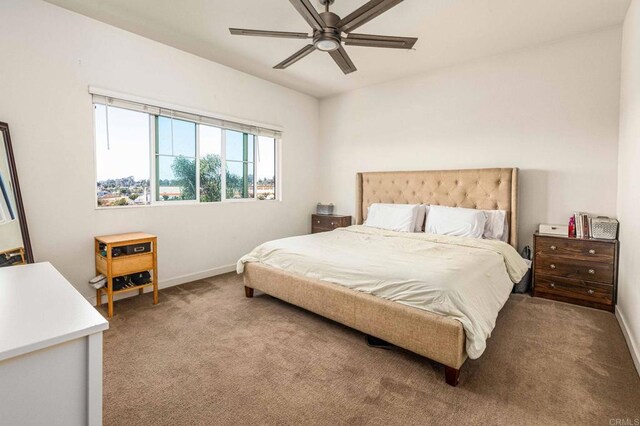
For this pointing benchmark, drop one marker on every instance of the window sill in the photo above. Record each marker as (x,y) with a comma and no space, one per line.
(187,203)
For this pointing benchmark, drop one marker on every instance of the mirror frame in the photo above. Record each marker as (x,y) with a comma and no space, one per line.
(4,129)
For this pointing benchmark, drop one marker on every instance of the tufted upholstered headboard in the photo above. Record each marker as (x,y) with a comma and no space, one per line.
(485,189)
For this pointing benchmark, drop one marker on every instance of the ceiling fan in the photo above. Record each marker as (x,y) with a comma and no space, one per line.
(328,29)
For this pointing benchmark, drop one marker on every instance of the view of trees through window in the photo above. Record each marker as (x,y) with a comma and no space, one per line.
(188,160)
(175,159)
(240,162)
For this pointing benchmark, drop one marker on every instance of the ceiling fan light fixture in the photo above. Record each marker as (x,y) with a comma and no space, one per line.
(327,45)
(327,41)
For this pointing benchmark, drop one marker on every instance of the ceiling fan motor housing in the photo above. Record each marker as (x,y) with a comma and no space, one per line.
(329,38)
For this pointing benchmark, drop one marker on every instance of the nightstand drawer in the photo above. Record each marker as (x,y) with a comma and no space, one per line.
(130,264)
(575,248)
(326,222)
(322,223)
(576,269)
(575,289)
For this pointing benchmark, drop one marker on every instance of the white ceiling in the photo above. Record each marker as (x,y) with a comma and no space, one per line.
(449,31)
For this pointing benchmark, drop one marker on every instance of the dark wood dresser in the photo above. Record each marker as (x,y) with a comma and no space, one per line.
(576,270)
(324,223)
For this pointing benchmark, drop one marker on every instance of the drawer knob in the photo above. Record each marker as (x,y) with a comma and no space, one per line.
(333,223)
(590,291)
(592,251)
(553,247)
(552,266)
(592,271)
(318,222)
(552,285)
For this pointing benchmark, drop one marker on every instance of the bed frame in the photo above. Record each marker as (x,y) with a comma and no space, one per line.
(433,336)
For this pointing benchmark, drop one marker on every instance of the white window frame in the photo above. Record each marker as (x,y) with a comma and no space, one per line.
(154,202)
(223,167)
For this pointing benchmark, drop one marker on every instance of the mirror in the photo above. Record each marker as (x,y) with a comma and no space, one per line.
(15,247)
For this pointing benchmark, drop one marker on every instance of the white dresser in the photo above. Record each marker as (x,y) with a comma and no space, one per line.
(50,350)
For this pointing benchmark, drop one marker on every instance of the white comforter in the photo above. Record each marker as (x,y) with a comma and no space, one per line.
(466,279)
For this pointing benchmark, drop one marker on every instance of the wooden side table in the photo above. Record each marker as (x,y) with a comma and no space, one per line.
(125,264)
(328,222)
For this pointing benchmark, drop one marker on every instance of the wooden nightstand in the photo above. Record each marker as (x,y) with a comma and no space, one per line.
(125,264)
(576,270)
(17,252)
(329,222)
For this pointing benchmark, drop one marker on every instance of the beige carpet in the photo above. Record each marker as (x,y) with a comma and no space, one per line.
(207,355)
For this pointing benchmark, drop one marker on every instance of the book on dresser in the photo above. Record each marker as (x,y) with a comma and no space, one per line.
(583,224)
(582,271)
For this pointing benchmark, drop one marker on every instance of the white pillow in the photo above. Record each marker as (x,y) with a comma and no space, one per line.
(456,221)
(496,229)
(393,217)
(422,214)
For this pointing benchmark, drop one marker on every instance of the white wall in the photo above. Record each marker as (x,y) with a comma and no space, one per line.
(552,111)
(49,58)
(628,308)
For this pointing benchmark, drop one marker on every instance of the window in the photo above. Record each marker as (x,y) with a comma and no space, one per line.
(175,160)
(149,155)
(210,164)
(240,161)
(265,168)
(122,157)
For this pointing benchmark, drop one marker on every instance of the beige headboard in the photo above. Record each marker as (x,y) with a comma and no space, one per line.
(485,189)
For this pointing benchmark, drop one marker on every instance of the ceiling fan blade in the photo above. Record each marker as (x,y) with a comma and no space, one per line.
(262,33)
(309,13)
(343,60)
(369,40)
(295,57)
(365,14)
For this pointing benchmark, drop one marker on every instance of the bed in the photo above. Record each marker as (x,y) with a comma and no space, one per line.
(323,273)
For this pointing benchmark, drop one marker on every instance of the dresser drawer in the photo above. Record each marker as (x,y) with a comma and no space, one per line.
(576,249)
(576,269)
(574,289)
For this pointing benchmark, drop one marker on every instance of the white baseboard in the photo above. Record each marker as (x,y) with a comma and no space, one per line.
(634,348)
(171,282)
